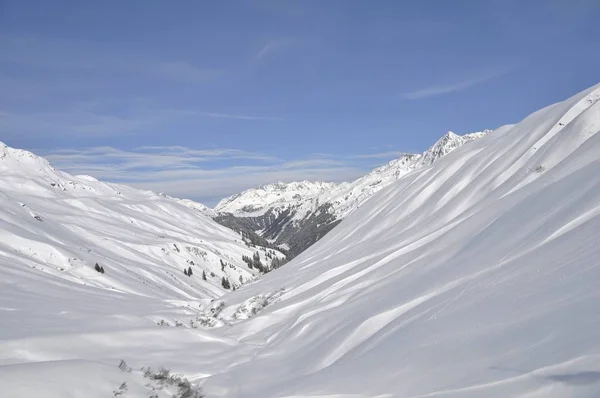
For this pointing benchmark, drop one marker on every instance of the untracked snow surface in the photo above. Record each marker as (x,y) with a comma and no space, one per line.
(478,276)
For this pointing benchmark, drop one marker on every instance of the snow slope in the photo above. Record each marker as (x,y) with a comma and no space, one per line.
(475,277)
(62,225)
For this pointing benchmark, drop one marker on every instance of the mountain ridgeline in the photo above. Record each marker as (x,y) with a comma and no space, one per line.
(118,238)
(292,217)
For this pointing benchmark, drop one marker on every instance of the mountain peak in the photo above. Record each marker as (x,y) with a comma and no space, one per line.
(446,144)
(19,159)
(451,135)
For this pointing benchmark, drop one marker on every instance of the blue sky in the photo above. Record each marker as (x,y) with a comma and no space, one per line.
(203,99)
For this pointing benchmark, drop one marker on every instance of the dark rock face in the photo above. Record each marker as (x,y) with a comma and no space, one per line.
(281,229)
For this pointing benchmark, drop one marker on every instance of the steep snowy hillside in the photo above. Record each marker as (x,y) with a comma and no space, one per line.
(63,225)
(477,277)
(298,214)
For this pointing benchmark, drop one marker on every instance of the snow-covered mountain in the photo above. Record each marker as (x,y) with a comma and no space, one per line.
(475,277)
(62,226)
(297,214)
(277,197)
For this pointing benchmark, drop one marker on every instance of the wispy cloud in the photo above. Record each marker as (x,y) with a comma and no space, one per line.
(85,119)
(145,162)
(200,174)
(382,155)
(460,85)
(272,46)
(183,72)
(235,116)
(314,162)
(92,59)
(78,122)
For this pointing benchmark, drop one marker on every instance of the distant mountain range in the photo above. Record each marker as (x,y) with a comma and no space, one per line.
(295,215)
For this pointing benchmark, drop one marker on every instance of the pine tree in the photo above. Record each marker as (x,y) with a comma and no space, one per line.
(204,275)
(101,269)
(185,272)
(248,261)
(257,263)
(225,283)
(190,273)
(97,267)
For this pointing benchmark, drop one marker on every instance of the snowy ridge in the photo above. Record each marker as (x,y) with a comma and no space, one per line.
(62,225)
(448,143)
(352,195)
(297,214)
(199,207)
(343,197)
(277,196)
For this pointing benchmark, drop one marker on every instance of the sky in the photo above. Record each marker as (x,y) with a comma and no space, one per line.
(203,99)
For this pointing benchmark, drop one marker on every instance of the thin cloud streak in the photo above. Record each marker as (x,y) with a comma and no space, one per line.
(272,46)
(79,121)
(442,89)
(382,155)
(85,56)
(240,117)
(195,173)
(149,161)
(183,72)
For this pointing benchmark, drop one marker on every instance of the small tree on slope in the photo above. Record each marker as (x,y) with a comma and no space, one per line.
(225,283)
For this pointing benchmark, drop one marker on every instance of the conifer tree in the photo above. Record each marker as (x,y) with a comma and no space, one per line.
(225,283)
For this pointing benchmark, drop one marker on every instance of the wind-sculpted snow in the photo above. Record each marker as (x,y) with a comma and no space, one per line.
(475,277)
